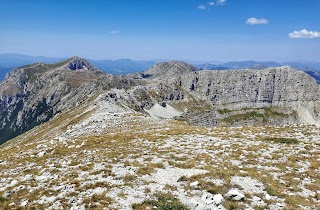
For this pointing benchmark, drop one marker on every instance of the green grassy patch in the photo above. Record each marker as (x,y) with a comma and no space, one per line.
(269,112)
(265,114)
(246,116)
(224,111)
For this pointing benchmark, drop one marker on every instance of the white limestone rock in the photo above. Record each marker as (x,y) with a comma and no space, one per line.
(234,194)
(218,199)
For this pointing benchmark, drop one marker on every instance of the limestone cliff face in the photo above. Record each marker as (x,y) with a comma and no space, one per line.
(271,87)
(251,88)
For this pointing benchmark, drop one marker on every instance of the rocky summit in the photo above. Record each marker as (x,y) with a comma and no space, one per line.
(171,137)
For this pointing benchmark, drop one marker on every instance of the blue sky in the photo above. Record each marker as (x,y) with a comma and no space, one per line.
(195,30)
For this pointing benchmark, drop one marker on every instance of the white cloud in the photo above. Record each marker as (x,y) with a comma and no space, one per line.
(221,2)
(114,32)
(201,6)
(304,33)
(256,21)
(211,4)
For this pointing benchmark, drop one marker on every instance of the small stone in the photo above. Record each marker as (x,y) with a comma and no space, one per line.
(27,177)
(41,154)
(24,203)
(218,199)
(207,198)
(280,205)
(256,199)
(194,184)
(8,193)
(234,194)
(13,182)
(267,197)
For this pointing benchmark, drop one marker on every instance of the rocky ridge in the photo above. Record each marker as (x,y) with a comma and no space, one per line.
(35,93)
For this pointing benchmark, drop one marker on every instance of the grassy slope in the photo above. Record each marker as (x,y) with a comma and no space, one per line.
(126,144)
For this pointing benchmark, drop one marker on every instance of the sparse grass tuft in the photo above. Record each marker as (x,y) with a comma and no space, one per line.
(97,201)
(280,140)
(163,201)
(2,199)
(129,178)
(271,191)
(148,169)
(230,205)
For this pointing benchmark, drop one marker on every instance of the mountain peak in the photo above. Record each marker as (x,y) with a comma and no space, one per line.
(77,63)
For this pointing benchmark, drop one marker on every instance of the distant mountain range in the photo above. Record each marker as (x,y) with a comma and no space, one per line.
(115,67)
(300,65)
(125,66)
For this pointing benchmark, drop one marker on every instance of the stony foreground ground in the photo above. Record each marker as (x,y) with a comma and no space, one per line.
(108,157)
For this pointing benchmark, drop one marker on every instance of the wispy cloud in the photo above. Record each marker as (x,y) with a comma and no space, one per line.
(115,32)
(304,34)
(256,21)
(221,2)
(201,6)
(211,4)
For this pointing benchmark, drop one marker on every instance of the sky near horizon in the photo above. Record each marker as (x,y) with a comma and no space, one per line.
(195,30)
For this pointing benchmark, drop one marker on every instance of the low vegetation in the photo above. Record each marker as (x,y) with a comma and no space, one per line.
(240,117)
(162,201)
(280,140)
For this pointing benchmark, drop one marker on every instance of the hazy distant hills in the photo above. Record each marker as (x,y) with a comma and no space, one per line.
(247,64)
(124,66)
(300,65)
(16,60)
(10,61)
